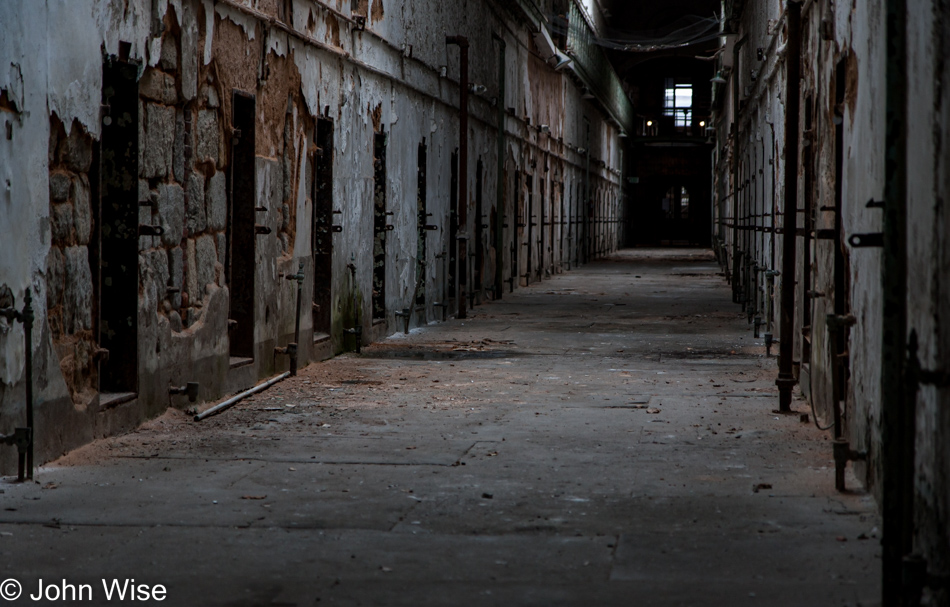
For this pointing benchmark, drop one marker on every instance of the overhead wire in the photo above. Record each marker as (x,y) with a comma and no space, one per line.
(685,31)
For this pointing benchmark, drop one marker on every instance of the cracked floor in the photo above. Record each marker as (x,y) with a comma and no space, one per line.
(606,437)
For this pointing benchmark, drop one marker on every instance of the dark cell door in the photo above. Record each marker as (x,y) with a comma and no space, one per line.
(422,218)
(241,228)
(322,228)
(118,227)
(379,226)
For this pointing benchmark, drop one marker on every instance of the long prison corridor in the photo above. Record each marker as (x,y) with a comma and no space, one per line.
(490,302)
(605,438)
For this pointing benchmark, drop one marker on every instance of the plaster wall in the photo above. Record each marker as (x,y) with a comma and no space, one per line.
(300,60)
(842,47)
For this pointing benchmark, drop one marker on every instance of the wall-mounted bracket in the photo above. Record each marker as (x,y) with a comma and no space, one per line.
(190,389)
(915,577)
(147,230)
(405,314)
(867,240)
(843,453)
(21,438)
(444,306)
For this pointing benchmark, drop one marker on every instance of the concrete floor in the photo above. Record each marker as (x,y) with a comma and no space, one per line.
(606,437)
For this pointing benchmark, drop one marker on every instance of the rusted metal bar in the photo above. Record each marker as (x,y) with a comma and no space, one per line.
(239,397)
(914,575)
(190,389)
(786,380)
(406,315)
(28,318)
(897,439)
(499,181)
(22,438)
(462,43)
(842,448)
(735,170)
(292,349)
(357,329)
(867,240)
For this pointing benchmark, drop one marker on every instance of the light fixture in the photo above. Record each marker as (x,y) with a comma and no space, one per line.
(623,134)
(649,123)
(702,123)
(587,94)
(718,79)
(561,61)
(477,89)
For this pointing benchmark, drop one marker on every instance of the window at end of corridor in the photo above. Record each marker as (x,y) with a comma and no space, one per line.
(678,102)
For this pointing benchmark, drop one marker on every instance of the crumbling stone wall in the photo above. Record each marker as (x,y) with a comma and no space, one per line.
(300,60)
(182,188)
(69,277)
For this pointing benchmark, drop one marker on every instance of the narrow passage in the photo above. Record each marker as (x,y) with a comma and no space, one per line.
(603,437)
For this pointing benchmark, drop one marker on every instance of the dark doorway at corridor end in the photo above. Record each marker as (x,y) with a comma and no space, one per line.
(670,196)
(670,165)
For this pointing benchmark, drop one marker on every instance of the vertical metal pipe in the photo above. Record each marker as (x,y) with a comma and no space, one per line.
(772,203)
(28,330)
(295,351)
(587,201)
(762,232)
(736,269)
(746,223)
(897,448)
(500,185)
(716,188)
(462,43)
(786,380)
(542,198)
(358,328)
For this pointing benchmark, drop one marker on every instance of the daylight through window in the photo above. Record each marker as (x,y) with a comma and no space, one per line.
(678,102)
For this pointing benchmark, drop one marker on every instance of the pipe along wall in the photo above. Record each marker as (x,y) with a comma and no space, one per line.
(221,169)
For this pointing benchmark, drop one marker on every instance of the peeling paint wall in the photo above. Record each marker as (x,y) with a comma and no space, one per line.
(299,61)
(928,275)
(843,86)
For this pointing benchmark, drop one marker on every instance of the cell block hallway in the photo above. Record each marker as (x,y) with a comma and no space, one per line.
(538,302)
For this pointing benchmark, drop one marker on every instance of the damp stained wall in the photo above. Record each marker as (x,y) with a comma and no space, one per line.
(843,82)
(300,60)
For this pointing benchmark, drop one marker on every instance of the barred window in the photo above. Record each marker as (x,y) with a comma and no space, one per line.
(678,102)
